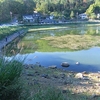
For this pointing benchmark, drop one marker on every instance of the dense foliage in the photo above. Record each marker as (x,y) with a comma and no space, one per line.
(17,8)
(6,31)
(94,9)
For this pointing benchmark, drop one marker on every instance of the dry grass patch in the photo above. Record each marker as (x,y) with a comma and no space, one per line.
(42,29)
(73,42)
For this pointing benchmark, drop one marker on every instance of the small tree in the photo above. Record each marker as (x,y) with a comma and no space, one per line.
(93,16)
(72,15)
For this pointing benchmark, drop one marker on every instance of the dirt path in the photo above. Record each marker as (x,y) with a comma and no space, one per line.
(8,39)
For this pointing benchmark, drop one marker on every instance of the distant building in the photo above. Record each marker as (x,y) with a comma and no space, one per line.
(28,18)
(49,21)
(51,17)
(35,17)
(98,15)
(39,18)
(83,16)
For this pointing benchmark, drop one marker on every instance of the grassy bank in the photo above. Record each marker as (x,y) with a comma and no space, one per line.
(6,31)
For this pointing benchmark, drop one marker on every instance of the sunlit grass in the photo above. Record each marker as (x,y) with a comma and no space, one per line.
(50,28)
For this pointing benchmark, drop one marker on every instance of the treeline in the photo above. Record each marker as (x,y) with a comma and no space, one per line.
(11,8)
(63,7)
(58,8)
(94,10)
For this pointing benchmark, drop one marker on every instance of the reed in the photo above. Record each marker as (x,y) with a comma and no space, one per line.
(10,86)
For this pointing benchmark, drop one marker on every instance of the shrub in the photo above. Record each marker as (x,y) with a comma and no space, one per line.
(10,86)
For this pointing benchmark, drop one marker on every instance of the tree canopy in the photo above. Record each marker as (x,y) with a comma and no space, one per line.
(93,9)
(56,7)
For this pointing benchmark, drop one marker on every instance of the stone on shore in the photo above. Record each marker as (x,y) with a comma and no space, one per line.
(77,63)
(65,64)
(79,75)
(53,67)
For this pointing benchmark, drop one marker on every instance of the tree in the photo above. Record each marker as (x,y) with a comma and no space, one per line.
(72,15)
(42,7)
(93,9)
(90,10)
(97,2)
(68,7)
(93,16)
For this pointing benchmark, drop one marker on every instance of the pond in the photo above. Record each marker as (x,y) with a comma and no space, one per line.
(36,49)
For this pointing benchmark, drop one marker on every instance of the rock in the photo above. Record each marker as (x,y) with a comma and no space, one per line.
(62,75)
(65,64)
(26,66)
(53,67)
(64,91)
(89,82)
(45,76)
(86,78)
(79,75)
(97,84)
(84,72)
(73,93)
(67,82)
(31,66)
(55,76)
(38,64)
(36,73)
(29,74)
(77,63)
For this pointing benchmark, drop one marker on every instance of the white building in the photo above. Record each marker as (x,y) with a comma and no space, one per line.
(51,17)
(98,15)
(28,18)
(83,16)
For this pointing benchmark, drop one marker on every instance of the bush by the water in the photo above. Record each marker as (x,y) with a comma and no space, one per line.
(10,86)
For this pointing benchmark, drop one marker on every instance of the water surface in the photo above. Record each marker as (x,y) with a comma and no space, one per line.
(89,59)
(47,56)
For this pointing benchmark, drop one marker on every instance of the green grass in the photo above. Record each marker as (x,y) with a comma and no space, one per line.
(6,31)
(48,94)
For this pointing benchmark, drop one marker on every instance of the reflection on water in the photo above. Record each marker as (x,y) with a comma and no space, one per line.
(89,59)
